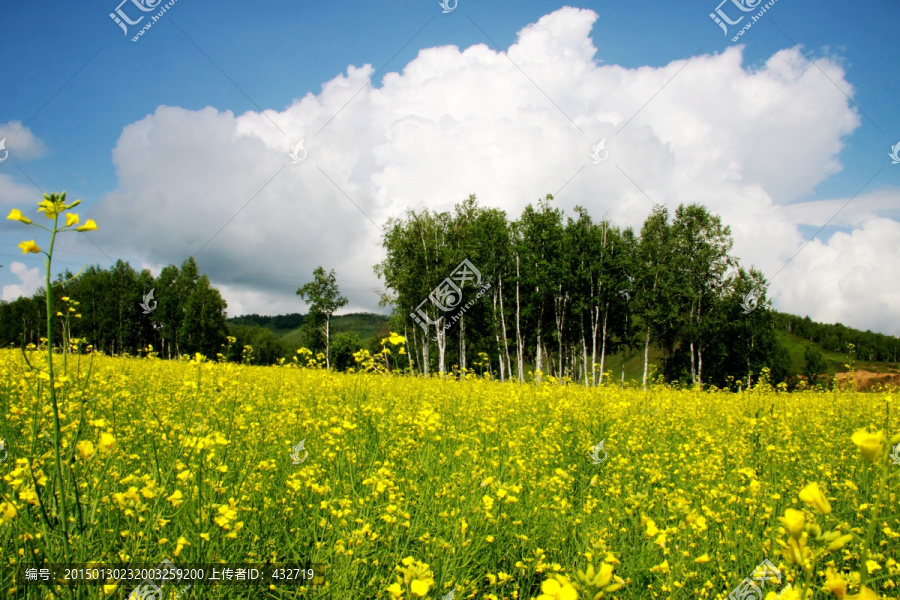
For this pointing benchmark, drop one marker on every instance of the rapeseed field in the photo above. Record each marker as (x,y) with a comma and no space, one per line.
(407,487)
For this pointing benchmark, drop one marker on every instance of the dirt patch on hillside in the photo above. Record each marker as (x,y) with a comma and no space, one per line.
(867,381)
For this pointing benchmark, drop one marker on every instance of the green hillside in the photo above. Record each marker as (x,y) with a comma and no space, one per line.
(367,325)
(796,346)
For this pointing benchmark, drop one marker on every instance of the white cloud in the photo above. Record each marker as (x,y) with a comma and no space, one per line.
(31,280)
(744,142)
(21,142)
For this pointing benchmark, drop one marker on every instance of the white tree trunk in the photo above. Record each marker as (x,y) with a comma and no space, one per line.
(462,342)
(520,345)
(497,338)
(426,345)
(584,365)
(595,318)
(503,323)
(442,350)
(603,344)
(646,357)
(328,342)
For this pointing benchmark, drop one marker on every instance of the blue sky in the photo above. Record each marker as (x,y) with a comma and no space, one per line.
(83,90)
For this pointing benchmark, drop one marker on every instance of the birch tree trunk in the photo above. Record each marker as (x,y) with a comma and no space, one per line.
(426,345)
(584,365)
(497,337)
(595,323)
(520,346)
(603,344)
(462,342)
(693,360)
(646,357)
(503,324)
(442,350)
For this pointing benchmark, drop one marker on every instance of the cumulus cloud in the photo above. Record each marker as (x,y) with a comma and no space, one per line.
(30,281)
(21,142)
(745,142)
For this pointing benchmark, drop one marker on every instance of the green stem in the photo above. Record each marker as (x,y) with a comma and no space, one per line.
(57,433)
(870,532)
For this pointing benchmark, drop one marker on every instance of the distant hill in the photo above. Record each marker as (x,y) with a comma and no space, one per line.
(367,325)
(279,324)
(873,347)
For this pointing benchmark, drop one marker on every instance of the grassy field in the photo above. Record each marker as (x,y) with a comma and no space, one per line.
(415,487)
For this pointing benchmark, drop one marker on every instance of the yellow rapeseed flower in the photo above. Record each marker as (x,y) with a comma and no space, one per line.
(871,445)
(107,443)
(864,594)
(703,558)
(834,583)
(85,448)
(794,521)
(419,587)
(557,589)
(7,512)
(89,225)
(180,544)
(16,215)
(29,246)
(71,219)
(51,206)
(814,498)
(176,498)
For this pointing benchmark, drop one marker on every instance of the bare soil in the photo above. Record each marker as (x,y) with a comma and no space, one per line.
(867,381)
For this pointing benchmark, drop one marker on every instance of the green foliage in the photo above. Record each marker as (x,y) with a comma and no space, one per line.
(870,346)
(324,298)
(343,346)
(815,364)
(188,314)
(280,324)
(267,346)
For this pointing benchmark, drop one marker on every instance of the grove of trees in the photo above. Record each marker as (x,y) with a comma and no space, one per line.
(187,316)
(566,291)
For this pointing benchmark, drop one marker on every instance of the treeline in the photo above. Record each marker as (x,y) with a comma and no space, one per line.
(870,346)
(566,291)
(276,323)
(113,310)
